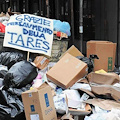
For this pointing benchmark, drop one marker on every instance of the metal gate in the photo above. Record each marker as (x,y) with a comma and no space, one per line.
(79,14)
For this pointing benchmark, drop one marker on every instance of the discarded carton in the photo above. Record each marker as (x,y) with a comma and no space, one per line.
(41,62)
(103,78)
(106,51)
(38,103)
(102,84)
(73,51)
(67,71)
(107,90)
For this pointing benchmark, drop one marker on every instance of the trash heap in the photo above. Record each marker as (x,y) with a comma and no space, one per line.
(67,85)
(73,87)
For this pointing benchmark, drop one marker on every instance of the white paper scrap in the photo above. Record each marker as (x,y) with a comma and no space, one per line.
(34,117)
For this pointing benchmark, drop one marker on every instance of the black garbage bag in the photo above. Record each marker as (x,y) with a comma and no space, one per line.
(9,113)
(10,58)
(18,92)
(4,112)
(1,82)
(116,70)
(11,106)
(89,61)
(3,73)
(20,74)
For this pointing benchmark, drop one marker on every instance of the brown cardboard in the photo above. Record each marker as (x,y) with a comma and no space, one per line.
(88,92)
(81,112)
(108,90)
(39,103)
(106,51)
(103,78)
(104,104)
(41,62)
(67,71)
(73,51)
(67,117)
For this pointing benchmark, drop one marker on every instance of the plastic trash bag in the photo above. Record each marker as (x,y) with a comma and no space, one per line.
(3,73)
(60,103)
(61,26)
(18,92)
(11,106)
(10,58)
(20,74)
(1,82)
(88,61)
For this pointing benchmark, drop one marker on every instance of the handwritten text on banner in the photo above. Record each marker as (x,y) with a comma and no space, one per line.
(29,33)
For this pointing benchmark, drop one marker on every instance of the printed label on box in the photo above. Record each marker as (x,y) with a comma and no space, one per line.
(32,108)
(46,100)
(30,94)
(34,117)
(110,63)
(43,60)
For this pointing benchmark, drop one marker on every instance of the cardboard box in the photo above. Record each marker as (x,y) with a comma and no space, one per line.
(38,103)
(103,78)
(67,71)
(73,51)
(106,51)
(41,62)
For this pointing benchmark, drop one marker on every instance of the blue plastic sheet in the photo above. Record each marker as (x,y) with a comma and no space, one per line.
(61,26)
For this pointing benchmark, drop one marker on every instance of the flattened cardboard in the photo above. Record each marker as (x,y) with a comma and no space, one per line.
(106,90)
(67,71)
(104,104)
(67,117)
(81,112)
(103,78)
(88,92)
(39,103)
(106,51)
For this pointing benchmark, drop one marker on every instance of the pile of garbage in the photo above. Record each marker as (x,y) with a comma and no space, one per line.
(71,87)
(67,87)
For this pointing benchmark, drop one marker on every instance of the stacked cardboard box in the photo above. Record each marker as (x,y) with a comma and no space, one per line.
(105,51)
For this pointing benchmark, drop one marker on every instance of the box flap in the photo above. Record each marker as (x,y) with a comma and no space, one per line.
(73,51)
(104,104)
(95,41)
(30,91)
(43,85)
(103,78)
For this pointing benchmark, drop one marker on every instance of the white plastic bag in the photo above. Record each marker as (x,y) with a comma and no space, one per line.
(60,103)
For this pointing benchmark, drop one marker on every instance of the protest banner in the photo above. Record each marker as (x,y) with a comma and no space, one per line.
(29,33)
